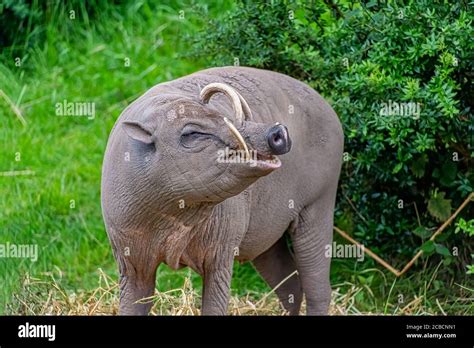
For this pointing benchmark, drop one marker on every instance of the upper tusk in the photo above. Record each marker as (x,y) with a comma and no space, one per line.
(235,98)
(239,136)
(245,107)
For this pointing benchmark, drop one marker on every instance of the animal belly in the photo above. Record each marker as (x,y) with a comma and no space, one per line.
(260,238)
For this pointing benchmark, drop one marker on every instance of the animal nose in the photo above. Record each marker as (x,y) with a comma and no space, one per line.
(278,139)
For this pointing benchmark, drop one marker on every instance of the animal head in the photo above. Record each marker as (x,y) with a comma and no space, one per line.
(193,150)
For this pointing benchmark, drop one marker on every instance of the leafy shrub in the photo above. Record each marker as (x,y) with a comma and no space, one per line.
(400,79)
(466,227)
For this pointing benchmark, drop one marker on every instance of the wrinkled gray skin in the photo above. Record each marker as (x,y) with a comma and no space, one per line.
(150,171)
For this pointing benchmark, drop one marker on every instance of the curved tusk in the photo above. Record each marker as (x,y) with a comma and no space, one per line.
(239,104)
(245,108)
(238,136)
(235,98)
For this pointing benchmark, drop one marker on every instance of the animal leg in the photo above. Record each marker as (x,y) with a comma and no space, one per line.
(276,264)
(216,287)
(137,281)
(310,235)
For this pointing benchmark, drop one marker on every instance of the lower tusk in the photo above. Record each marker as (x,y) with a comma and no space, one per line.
(239,136)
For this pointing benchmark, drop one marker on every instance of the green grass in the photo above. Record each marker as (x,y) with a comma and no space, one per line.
(83,61)
(78,62)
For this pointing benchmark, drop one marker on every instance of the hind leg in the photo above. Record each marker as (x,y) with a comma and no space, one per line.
(276,264)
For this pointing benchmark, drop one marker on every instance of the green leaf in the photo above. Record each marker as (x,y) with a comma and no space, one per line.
(418,167)
(439,207)
(448,174)
(422,232)
(397,168)
(465,226)
(300,16)
(371,3)
(447,261)
(428,247)
(442,250)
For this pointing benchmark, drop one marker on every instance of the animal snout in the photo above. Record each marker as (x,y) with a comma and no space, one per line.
(278,139)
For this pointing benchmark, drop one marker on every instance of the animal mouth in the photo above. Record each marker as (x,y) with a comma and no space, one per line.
(251,158)
(268,161)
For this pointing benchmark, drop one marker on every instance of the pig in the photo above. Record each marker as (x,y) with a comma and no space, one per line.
(201,172)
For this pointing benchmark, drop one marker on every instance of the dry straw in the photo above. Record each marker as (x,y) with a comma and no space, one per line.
(40,297)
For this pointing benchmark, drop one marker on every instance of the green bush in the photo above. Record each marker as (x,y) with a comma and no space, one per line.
(400,79)
(466,227)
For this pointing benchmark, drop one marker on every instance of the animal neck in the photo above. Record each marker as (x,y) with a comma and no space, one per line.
(192,234)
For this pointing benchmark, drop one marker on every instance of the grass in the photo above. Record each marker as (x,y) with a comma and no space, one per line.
(48,297)
(58,207)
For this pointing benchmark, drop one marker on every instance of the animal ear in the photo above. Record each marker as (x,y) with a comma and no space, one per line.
(137,131)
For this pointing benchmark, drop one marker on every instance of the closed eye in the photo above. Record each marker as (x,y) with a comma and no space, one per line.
(193,138)
(194,134)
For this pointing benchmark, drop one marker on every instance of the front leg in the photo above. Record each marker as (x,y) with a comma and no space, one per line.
(216,287)
(137,266)
(312,233)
